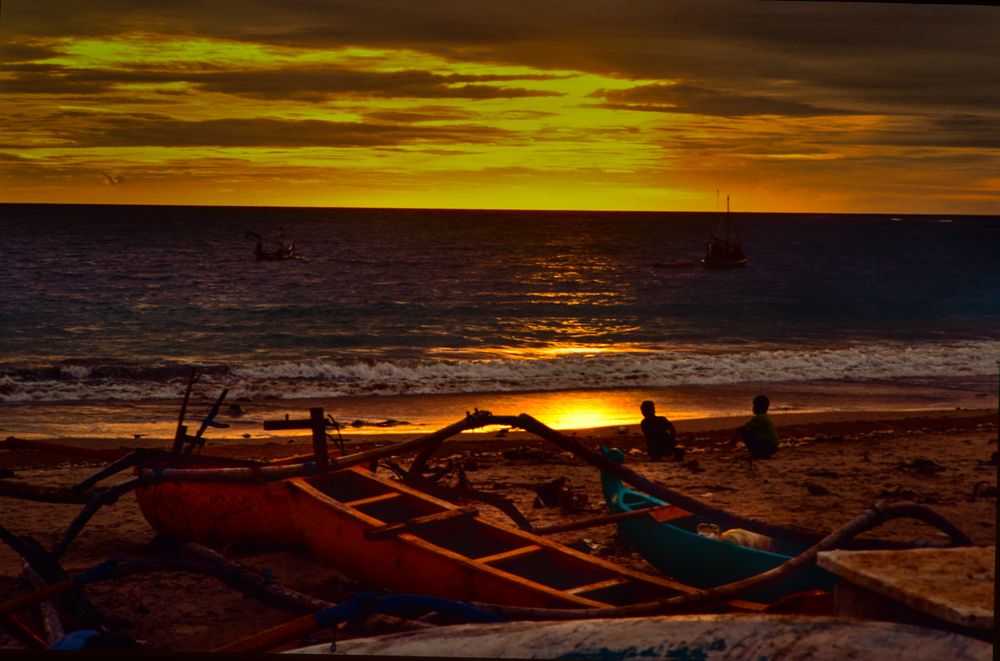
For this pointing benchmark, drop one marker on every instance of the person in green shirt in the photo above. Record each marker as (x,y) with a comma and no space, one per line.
(759,433)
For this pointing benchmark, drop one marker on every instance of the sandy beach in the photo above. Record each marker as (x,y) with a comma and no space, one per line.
(830,468)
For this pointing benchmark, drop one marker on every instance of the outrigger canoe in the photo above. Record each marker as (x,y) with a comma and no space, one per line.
(669,539)
(387,534)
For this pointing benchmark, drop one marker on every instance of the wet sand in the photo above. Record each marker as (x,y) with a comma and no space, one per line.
(830,468)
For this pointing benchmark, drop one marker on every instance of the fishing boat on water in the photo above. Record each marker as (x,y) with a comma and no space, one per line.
(724,252)
(277,249)
(699,552)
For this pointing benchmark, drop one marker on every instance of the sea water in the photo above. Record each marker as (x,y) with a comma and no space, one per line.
(416,316)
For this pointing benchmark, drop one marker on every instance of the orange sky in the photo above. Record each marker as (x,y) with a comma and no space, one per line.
(652,105)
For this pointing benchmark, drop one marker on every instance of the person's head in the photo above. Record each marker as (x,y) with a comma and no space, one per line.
(760,404)
(648,408)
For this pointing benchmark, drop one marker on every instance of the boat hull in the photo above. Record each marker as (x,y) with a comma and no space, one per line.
(388,535)
(213,513)
(675,548)
(673,637)
(723,264)
(471,559)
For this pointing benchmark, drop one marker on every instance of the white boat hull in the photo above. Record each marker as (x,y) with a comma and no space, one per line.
(677,637)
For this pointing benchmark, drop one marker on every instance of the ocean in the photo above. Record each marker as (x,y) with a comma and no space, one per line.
(403,320)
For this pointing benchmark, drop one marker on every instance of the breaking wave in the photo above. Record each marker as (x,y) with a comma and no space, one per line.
(337,378)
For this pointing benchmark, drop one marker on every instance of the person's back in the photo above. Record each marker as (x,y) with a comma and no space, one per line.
(759,433)
(661,436)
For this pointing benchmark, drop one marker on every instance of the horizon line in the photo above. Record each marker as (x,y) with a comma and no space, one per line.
(501,209)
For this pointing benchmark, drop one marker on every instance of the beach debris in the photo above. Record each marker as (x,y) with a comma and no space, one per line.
(693,466)
(526,454)
(550,493)
(992,461)
(584,545)
(357,424)
(623,430)
(557,493)
(818,489)
(899,493)
(835,438)
(752,540)
(922,465)
(714,487)
(615,546)
(984,489)
(823,472)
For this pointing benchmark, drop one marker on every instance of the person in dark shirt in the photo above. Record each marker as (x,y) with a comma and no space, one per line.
(661,436)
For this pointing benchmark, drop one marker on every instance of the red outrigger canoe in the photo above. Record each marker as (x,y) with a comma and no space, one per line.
(387,534)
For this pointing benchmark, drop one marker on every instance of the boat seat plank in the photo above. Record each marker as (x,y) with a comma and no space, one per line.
(373,499)
(439,518)
(600,585)
(513,553)
(669,513)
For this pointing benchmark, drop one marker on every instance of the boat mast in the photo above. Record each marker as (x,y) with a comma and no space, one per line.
(727,219)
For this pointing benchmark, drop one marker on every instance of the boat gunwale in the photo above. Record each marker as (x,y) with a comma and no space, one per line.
(466,562)
(525,536)
(688,535)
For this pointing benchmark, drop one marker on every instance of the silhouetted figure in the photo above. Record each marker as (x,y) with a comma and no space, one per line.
(759,433)
(661,436)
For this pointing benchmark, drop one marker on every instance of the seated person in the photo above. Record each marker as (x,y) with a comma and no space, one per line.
(661,437)
(759,433)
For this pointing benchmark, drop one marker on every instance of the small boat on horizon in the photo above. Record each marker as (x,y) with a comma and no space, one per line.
(724,253)
(278,249)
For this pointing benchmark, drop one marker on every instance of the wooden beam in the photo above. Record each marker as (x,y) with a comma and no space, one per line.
(590,523)
(317,422)
(419,523)
(513,553)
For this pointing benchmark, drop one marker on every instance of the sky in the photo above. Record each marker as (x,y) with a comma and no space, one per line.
(784,106)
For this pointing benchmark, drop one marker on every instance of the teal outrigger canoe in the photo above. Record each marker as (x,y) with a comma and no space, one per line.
(669,539)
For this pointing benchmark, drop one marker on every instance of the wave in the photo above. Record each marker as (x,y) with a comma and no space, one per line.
(349,377)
